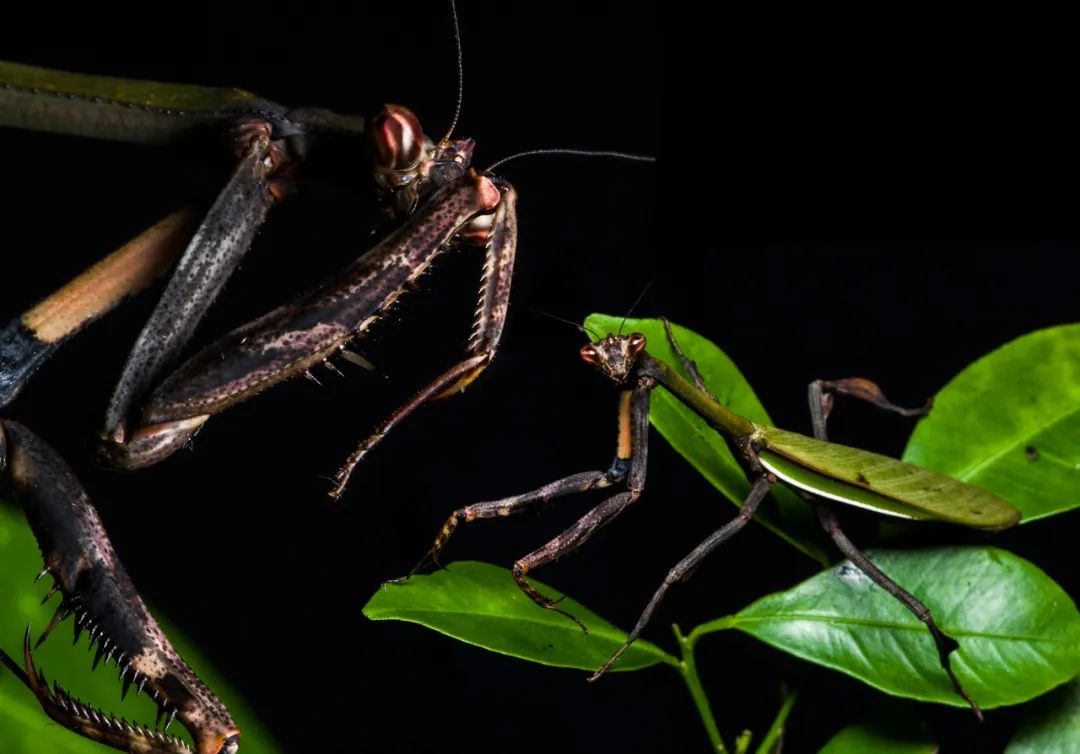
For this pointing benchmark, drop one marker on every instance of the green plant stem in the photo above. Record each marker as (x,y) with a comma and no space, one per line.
(688,670)
(720,624)
(776,730)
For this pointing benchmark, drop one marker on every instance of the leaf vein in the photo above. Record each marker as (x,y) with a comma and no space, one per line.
(970,471)
(790,617)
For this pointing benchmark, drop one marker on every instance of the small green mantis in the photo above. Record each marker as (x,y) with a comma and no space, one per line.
(824,473)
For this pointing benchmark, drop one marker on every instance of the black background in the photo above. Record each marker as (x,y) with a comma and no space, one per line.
(890,203)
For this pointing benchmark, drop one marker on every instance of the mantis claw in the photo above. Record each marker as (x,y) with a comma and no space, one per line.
(97,590)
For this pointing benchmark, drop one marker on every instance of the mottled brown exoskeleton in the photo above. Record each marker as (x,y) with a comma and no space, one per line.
(99,598)
(434,200)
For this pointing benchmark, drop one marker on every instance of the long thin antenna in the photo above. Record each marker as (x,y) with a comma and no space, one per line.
(640,296)
(575,325)
(460,72)
(575,152)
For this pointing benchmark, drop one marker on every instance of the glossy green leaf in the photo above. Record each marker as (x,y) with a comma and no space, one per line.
(788,517)
(879,739)
(1010,422)
(1019,632)
(1052,724)
(480,604)
(24,728)
(891,727)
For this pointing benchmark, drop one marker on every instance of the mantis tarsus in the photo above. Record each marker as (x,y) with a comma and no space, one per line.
(823,472)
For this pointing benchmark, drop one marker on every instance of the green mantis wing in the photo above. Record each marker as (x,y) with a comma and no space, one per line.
(868,480)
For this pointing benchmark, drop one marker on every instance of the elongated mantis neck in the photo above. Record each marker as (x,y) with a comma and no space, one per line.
(716,414)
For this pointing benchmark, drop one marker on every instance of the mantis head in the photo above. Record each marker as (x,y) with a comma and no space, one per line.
(615,356)
(407,164)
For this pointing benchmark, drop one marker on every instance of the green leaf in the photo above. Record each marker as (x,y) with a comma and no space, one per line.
(879,739)
(23,726)
(789,517)
(480,604)
(1010,422)
(1052,725)
(1019,632)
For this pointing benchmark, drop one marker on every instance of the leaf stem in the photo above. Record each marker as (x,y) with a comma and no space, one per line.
(688,670)
(720,624)
(775,733)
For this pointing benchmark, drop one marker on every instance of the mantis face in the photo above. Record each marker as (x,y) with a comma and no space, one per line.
(615,356)
(408,165)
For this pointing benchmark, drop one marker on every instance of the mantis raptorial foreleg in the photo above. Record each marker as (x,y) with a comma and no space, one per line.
(633,448)
(629,465)
(483,341)
(294,337)
(97,593)
(510,506)
(581,482)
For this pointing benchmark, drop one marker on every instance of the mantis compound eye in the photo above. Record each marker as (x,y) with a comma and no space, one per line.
(637,342)
(397,141)
(589,354)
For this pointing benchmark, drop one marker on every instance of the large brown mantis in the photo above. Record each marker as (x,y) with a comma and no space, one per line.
(431,191)
(359,240)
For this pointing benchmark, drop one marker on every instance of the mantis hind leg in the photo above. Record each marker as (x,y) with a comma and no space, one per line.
(945,644)
(821,398)
(820,394)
